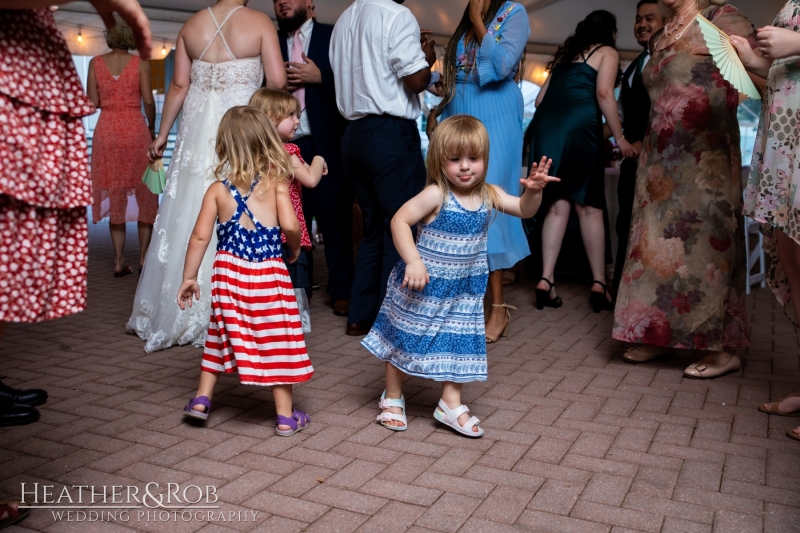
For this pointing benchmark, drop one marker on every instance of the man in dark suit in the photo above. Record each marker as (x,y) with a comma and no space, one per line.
(304,45)
(634,105)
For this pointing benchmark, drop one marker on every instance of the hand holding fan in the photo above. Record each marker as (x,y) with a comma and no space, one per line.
(155,177)
(727,60)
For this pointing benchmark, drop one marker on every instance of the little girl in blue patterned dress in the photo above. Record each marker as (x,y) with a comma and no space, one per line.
(431,322)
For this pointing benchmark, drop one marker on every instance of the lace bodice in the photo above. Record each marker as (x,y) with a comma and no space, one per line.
(232,83)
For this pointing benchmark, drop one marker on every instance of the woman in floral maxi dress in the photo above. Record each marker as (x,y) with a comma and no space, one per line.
(772,195)
(683,283)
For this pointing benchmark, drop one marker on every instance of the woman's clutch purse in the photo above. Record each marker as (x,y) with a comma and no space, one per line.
(155,177)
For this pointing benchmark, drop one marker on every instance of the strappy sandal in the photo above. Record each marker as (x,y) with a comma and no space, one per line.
(193,413)
(449,417)
(774,410)
(599,301)
(504,333)
(14,515)
(543,297)
(298,422)
(386,416)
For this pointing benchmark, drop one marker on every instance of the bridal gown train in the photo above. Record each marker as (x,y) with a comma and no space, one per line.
(156,317)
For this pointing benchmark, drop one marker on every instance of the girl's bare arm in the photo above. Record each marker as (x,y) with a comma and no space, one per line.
(308,175)
(287,219)
(202,232)
(413,211)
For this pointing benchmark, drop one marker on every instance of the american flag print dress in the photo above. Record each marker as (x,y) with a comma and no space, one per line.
(255,325)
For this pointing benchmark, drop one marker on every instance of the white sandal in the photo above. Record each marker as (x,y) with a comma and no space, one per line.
(449,417)
(386,416)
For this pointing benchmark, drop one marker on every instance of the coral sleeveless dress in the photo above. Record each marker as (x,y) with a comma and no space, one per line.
(119,150)
(255,325)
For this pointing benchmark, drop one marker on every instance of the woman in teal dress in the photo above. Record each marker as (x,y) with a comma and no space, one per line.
(568,128)
(481,62)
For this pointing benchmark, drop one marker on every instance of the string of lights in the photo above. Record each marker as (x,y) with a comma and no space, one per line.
(80,37)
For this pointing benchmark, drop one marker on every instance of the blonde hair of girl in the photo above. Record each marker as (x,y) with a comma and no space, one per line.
(457,136)
(276,104)
(249,145)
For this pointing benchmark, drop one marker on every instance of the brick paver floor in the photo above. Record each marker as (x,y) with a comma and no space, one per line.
(576,439)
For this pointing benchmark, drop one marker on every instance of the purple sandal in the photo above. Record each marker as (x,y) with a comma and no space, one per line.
(298,422)
(200,400)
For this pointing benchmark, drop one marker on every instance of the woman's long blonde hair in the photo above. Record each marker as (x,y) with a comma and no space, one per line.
(276,104)
(247,146)
(457,136)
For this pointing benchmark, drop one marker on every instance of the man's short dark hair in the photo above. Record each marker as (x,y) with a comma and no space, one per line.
(643,2)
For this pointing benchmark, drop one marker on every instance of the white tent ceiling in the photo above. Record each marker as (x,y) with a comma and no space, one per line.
(551,20)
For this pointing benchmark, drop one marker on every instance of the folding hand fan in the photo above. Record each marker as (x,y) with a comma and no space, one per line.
(155,177)
(727,60)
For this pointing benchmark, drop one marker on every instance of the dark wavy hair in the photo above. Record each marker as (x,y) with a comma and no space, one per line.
(598,27)
(449,64)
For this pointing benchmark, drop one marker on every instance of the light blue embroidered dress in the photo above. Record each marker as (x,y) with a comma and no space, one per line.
(485,89)
(438,333)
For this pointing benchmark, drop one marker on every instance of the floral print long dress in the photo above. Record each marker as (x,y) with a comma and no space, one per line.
(683,283)
(772,196)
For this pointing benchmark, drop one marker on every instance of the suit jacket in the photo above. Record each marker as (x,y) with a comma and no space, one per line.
(327,125)
(635,104)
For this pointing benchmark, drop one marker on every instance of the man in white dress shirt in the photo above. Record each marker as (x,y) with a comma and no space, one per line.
(380,65)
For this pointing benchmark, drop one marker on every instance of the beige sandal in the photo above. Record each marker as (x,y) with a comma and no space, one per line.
(504,333)
(773,407)
(648,353)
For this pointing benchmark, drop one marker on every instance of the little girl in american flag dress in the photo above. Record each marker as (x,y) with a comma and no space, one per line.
(255,325)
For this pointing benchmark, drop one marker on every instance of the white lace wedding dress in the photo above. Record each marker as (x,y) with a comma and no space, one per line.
(156,317)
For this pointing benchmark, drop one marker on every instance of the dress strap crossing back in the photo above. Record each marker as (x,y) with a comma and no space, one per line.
(242,201)
(586,58)
(219,32)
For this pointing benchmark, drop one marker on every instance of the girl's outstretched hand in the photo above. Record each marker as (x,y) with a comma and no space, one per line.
(416,276)
(189,288)
(539,178)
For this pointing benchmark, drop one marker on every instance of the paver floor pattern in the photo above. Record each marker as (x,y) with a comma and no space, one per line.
(576,439)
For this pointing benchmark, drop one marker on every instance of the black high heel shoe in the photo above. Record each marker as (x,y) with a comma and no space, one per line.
(543,297)
(599,301)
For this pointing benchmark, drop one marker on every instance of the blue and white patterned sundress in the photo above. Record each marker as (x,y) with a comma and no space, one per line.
(438,333)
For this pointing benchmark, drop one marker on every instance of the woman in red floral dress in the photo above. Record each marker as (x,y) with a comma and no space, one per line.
(118,83)
(44,186)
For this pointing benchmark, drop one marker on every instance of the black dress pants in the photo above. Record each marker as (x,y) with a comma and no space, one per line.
(382,157)
(331,202)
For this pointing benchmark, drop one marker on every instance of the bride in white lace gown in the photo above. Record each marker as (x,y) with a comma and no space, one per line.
(208,80)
